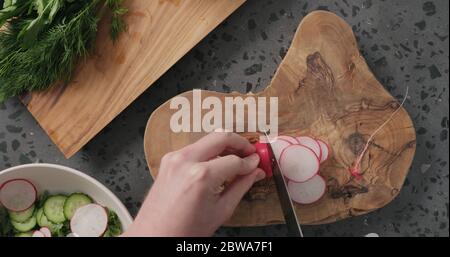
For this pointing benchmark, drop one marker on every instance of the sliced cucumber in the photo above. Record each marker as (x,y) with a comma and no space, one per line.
(107,233)
(39,214)
(73,202)
(42,221)
(24,226)
(21,216)
(24,234)
(54,208)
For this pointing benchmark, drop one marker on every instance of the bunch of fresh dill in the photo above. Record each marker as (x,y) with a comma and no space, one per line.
(41,40)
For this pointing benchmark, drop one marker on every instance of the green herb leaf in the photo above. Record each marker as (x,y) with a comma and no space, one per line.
(42,40)
(7,3)
(13,9)
(46,11)
(118,25)
(114,225)
(41,200)
(50,59)
(61,230)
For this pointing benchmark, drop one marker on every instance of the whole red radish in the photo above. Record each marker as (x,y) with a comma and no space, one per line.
(266,158)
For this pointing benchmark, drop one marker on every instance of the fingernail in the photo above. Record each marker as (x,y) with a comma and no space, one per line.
(260,176)
(254,158)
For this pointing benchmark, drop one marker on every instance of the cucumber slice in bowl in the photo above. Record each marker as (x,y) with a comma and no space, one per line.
(24,234)
(43,221)
(21,216)
(74,202)
(39,214)
(24,226)
(54,208)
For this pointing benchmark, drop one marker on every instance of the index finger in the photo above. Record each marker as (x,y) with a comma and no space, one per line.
(214,144)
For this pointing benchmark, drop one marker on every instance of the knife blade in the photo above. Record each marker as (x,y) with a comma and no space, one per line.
(287,206)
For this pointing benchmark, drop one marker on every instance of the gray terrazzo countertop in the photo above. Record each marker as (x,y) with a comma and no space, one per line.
(405,42)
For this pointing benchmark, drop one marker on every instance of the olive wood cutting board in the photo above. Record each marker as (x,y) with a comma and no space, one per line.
(325,90)
(160,32)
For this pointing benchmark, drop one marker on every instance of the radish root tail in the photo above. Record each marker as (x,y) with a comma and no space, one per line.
(355,170)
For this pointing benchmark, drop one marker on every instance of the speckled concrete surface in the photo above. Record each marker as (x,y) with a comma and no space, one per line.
(405,42)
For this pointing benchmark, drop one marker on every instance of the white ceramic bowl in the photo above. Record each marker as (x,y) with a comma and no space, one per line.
(59,179)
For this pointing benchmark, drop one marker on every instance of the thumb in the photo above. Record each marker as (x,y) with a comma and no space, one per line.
(237,189)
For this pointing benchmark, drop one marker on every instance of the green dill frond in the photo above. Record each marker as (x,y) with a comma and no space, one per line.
(118,25)
(33,57)
(52,58)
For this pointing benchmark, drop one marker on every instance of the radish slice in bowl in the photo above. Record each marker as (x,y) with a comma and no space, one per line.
(325,150)
(46,231)
(289,139)
(89,221)
(312,144)
(38,233)
(17,194)
(307,192)
(299,163)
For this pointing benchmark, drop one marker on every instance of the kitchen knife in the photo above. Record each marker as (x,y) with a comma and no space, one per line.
(292,222)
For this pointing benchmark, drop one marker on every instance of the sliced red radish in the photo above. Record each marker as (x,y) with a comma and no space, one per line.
(46,231)
(265,156)
(72,235)
(312,144)
(278,146)
(325,150)
(38,233)
(290,139)
(89,221)
(17,194)
(307,192)
(299,163)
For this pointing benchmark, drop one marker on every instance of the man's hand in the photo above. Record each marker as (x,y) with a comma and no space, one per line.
(188,197)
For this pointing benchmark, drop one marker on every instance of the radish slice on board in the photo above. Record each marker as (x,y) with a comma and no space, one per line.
(89,221)
(38,233)
(325,150)
(278,146)
(307,192)
(46,231)
(299,163)
(312,144)
(290,139)
(17,194)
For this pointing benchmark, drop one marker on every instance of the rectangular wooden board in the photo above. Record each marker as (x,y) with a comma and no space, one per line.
(160,32)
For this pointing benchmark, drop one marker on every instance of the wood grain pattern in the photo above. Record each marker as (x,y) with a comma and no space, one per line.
(160,33)
(326,90)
